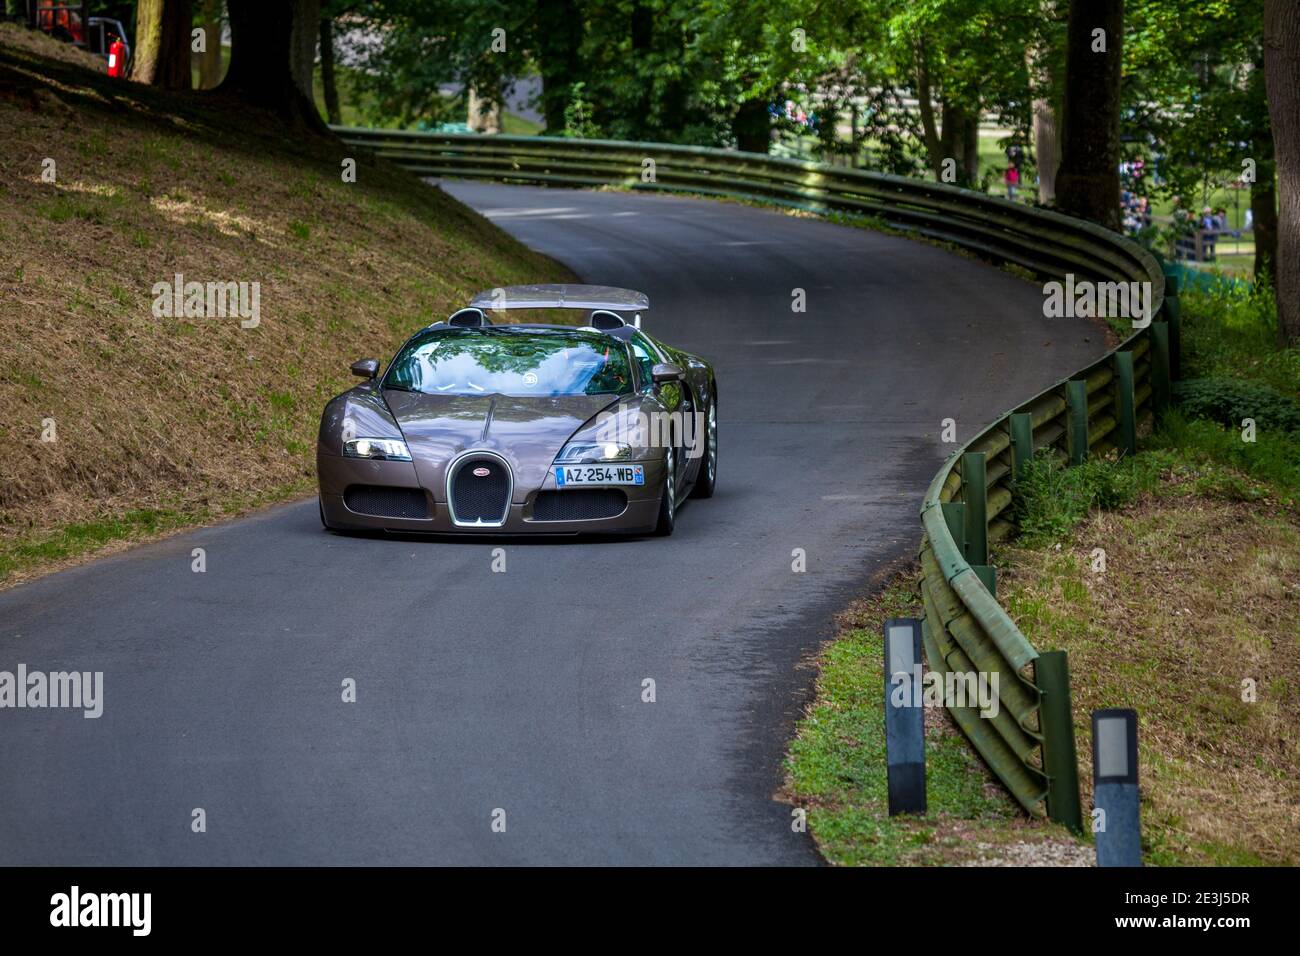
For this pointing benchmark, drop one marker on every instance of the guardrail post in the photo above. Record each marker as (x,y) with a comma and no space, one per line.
(988,576)
(954,515)
(1161,391)
(1060,762)
(1022,442)
(1173,314)
(1125,405)
(974,491)
(1076,421)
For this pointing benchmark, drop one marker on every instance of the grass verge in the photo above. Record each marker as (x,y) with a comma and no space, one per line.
(836,766)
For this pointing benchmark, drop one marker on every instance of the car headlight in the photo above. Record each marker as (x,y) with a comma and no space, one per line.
(579,451)
(379,449)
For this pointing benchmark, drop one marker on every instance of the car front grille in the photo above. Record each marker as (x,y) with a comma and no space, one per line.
(582,505)
(383,502)
(480,498)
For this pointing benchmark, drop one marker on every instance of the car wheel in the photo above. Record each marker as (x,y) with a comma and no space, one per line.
(668,500)
(708,476)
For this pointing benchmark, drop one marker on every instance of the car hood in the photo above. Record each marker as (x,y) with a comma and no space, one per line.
(527,432)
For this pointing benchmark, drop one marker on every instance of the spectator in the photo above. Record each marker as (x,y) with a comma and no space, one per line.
(1012,179)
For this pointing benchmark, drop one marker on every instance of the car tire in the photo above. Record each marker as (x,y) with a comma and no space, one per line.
(707,479)
(667,500)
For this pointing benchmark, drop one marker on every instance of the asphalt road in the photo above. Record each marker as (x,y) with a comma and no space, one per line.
(522,691)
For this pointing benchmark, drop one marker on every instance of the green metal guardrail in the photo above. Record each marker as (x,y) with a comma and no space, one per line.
(1030,744)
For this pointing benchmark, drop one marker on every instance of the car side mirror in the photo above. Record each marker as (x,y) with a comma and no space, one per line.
(666,372)
(365,368)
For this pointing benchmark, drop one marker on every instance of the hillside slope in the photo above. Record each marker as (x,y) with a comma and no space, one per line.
(160,421)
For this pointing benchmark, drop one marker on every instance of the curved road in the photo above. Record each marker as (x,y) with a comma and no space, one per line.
(522,690)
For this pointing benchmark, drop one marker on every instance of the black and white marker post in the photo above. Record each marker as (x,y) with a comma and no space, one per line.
(904,716)
(1115,787)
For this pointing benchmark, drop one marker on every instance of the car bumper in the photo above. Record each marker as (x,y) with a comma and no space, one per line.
(336,474)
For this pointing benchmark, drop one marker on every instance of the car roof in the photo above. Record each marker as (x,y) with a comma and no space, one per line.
(562,296)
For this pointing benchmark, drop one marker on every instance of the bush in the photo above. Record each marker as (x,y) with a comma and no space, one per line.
(1230,332)
(1229,400)
(1049,499)
(1273,457)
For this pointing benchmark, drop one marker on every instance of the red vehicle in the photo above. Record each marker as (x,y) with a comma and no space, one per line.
(69,22)
(63,21)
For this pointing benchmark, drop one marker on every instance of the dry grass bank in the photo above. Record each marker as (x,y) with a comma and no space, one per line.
(1199,603)
(162,422)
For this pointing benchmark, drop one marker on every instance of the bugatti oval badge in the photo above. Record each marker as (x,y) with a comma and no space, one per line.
(481,472)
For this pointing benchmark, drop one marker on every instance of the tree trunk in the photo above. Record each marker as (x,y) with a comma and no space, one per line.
(1282,76)
(1047,132)
(327,79)
(162,48)
(961,141)
(751,126)
(933,147)
(1087,184)
(1263,209)
(260,73)
(302,45)
(971,146)
(1047,149)
(210,58)
(559,32)
(484,112)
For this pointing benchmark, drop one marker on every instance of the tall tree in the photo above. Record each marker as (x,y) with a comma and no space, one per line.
(1087,184)
(328,81)
(559,30)
(1263,191)
(162,47)
(1282,74)
(302,44)
(1043,70)
(260,71)
(208,13)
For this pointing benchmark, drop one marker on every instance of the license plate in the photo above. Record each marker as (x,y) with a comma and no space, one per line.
(599,475)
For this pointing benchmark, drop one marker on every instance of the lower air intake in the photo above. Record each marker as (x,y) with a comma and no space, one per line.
(582,505)
(385,502)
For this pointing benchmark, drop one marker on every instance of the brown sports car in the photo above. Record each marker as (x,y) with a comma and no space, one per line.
(478,427)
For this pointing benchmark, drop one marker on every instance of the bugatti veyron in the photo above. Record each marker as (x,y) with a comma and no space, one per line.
(587,424)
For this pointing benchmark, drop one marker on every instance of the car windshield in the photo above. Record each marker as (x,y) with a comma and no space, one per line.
(516,362)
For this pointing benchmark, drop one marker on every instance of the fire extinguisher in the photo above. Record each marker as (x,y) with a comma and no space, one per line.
(117,58)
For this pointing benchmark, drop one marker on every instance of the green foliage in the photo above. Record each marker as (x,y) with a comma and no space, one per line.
(1273,457)
(1230,400)
(577,115)
(1230,332)
(1194,92)
(1049,498)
